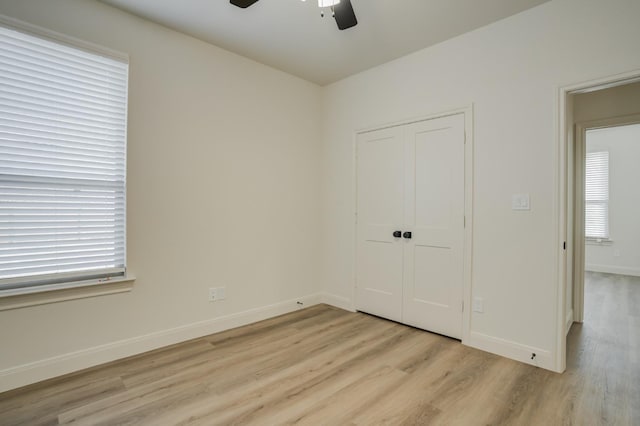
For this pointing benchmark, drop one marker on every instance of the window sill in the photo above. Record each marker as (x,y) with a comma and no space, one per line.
(24,297)
(598,241)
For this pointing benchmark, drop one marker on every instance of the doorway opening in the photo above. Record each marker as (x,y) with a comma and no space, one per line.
(601,202)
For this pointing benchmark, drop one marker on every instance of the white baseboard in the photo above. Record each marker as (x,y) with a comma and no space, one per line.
(37,371)
(611,269)
(568,321)
(337,301)
(34,372)
(513,350)
(509,349)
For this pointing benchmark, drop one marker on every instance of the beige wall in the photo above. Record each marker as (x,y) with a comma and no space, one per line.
(511,72)
(223,184)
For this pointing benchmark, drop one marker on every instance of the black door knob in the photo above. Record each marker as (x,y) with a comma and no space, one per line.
(407,235)
(397,234)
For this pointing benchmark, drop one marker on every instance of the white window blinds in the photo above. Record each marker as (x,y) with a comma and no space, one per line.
(62,162)
(597,195)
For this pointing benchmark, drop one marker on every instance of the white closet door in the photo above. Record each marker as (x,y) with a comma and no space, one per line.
(380,168)
(434,213)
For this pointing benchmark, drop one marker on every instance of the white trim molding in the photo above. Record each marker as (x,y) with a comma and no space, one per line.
(569,321)
(41,295)
(513,350)
(338,301)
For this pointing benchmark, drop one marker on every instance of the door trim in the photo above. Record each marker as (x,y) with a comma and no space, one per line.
(467,112)
(561,197)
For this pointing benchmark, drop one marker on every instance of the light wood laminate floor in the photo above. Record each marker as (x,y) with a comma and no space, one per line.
(325,366)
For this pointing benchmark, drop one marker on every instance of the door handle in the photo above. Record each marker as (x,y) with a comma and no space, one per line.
(407,235)
(397,234)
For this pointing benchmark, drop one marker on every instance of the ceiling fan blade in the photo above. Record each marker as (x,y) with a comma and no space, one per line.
(344,14)
(242,3)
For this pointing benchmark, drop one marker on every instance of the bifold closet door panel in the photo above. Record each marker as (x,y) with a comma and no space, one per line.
(380,210)
(434,212)
(410,181)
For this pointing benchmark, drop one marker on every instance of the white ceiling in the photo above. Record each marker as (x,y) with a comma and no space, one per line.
(290,34)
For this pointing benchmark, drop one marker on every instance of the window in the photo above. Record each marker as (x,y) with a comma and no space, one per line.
(597,195)
(62,161)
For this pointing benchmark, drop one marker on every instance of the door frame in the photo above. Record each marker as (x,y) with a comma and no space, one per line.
(467,112)
(563,198)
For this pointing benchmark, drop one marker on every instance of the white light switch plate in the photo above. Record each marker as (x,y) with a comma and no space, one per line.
(520,202)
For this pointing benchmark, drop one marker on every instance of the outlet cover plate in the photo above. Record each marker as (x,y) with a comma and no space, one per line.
(520,202)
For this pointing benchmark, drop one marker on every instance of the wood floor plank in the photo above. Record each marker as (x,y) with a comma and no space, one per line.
(294,402)
(322,365)
(409,401)
(43,411)
(343,405)
(229,402)
(193,380)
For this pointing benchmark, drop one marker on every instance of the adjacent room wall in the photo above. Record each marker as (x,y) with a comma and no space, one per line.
(511,72)
(223,184)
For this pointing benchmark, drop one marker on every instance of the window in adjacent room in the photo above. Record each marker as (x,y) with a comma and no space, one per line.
(597,195)
(63,110)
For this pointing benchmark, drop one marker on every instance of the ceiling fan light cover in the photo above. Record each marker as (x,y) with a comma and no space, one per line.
(327,3)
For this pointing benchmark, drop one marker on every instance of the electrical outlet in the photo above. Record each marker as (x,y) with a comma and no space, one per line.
(217,293)
(520,202)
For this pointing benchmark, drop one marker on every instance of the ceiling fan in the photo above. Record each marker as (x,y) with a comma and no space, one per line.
(342,10)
